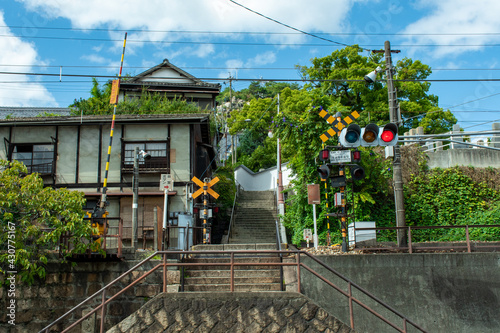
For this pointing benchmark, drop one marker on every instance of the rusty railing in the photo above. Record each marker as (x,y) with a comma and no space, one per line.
(443,246)
(105,299)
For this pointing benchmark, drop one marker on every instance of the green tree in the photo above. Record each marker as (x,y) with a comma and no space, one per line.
(341,75)
(32,220)
(257,90)
(97,103)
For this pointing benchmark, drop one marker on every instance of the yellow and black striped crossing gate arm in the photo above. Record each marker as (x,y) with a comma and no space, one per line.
(337,125)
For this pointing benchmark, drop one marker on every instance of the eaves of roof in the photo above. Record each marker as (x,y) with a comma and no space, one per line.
(185,118)
(164,64)
(170,85)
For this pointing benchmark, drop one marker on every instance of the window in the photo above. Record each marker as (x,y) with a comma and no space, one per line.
(159,161)
(37,157)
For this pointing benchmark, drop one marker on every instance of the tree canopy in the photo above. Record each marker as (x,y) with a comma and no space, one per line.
(32,220)
(341,74)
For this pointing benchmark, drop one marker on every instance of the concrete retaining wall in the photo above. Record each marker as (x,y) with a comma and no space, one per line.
(230,312)
(478,158)
(457,292)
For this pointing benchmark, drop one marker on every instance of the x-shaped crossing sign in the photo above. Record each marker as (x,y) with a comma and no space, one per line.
(338,125)
(205,187)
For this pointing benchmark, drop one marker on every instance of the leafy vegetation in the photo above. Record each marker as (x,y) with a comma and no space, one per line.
(32,220)
(339,87)
(147,103)
(443,197)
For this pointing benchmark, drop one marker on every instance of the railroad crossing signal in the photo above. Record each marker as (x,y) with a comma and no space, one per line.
(205,187)
(337,125)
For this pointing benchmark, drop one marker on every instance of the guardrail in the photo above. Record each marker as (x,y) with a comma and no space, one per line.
(411,244)
(105,299)
(107,236)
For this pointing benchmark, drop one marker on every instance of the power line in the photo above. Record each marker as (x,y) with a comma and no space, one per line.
(253,32)
(289,26)
(235,68)
(255,79)
(364,47)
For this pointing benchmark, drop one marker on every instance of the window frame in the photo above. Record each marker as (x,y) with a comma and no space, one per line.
(32,167)
(157,164)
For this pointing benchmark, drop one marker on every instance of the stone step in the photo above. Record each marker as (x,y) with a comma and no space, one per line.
(253,215)
(253,287)
(226,280)
(237,247)
(249,273)
(215,267)
(244,217)
(255,227)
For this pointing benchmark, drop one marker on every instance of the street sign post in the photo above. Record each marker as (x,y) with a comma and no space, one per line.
(307,235)
(166,182)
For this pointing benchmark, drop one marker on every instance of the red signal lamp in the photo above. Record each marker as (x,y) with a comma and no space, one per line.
(356,156)
(324,155)
(389,135)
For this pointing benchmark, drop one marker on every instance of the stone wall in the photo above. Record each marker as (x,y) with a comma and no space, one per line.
(65,287)
(230,312)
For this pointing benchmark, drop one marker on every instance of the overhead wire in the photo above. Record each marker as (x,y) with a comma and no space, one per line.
(109,76)
(290,27)
(253,32)
(191,42)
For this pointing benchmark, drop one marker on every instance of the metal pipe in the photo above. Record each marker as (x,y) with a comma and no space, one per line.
(103,310)
(467,237)
(232,271)
(135,198)
(351,313)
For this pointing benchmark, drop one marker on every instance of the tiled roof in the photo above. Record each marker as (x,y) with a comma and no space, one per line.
(30,112)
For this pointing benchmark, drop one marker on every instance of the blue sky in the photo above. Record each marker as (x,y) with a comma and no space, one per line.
(459,39)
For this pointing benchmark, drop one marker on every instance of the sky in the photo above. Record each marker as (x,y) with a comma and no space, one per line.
(245,39)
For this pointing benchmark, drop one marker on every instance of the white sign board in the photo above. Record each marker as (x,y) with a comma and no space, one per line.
(340,156)
(166,182)
(338,199)
(308,234)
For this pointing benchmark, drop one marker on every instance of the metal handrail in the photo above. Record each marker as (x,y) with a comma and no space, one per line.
(230,229)
(278,247)
(232,264)
(352,299)
(103,290)
(411,246)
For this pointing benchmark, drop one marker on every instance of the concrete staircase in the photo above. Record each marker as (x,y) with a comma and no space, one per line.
(255,220)
(230,312)
(247,278)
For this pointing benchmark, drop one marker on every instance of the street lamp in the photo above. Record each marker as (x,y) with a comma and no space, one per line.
(138,154)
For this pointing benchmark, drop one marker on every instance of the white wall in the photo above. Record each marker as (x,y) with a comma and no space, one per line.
(261,181)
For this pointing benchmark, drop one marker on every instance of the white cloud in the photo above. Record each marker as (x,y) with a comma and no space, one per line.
(448,18)
(204,50)
(200,15)
(262,59)
(20,90)
(94,58)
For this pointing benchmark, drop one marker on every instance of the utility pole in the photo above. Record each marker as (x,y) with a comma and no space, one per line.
(233,148)
(397,171)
